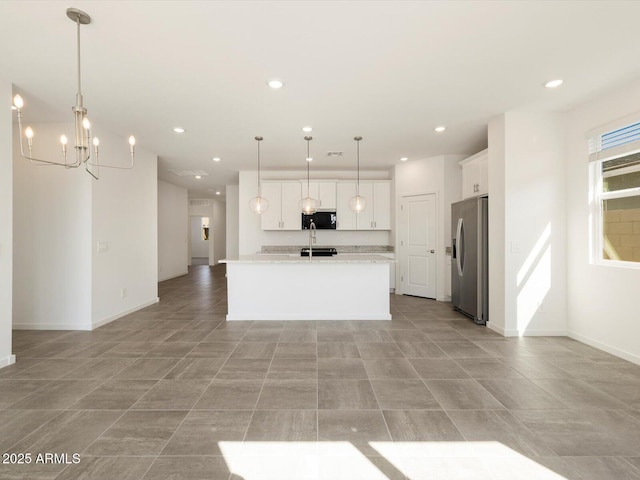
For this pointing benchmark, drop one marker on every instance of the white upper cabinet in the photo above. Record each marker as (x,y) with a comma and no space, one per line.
(345,216)
(327,195)
(377,211)
(284,210)
(382,206)
(475,175)
(325,191)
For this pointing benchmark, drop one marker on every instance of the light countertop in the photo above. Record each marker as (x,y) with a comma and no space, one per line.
(296,258)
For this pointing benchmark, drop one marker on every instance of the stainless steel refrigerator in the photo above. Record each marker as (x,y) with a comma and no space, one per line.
(469,258)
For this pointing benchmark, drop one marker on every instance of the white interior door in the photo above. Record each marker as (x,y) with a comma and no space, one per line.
(418,245)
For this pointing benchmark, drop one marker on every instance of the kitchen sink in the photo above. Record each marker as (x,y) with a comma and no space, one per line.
(319,252)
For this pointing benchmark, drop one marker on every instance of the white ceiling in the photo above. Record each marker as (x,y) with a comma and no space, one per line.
(386,70)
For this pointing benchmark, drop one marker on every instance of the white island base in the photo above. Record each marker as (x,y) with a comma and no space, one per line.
(282,287)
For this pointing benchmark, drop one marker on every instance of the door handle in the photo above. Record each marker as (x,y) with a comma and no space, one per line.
(432,251)
(460,247)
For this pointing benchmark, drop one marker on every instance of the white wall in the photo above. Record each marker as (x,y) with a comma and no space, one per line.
(52,238)
(232,212)
(603,301)
(173,217)
(530,148)
(440,175)
(497,242)
(6,224)
(252,237)
(199,246)
(124,216)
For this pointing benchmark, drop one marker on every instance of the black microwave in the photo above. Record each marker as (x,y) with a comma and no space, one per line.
(322,220)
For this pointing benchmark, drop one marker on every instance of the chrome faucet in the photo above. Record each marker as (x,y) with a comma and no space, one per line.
(312,237)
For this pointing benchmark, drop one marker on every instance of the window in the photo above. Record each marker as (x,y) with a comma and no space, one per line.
(615,160)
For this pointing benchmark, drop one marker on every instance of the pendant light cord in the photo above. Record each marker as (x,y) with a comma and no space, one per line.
(259,139)
(308,167)
(357,139)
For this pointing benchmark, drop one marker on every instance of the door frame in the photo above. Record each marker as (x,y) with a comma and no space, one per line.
(209,242)
(401,249)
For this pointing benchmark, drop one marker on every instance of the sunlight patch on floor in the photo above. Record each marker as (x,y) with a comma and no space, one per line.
(395,460)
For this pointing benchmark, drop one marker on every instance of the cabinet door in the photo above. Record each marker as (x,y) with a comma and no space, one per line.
(291,213)
(345,216)
(311,190)
(483,174)
(272,218)
(382,206)
(469,179)
(365,217)
(327,195)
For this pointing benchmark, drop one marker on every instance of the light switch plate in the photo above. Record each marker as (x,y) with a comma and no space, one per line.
(103,247)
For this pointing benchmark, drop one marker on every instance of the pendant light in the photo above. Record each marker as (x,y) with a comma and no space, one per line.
(358,202)
(82,135)
(309,205)
(259,204)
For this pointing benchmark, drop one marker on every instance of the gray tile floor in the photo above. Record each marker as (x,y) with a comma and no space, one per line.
(174,391)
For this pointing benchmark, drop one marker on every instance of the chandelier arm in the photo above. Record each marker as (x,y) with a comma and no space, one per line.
(39,161)
(96,176)
(98,164)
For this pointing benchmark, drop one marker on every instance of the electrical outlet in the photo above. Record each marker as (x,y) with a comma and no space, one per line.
(123,293)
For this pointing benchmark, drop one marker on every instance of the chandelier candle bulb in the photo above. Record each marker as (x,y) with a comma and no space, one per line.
(18,102)
(29,134)
(64,141)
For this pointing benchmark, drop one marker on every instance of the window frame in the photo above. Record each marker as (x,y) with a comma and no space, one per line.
(599,196)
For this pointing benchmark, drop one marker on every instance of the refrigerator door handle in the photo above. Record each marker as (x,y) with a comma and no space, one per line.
(460,247)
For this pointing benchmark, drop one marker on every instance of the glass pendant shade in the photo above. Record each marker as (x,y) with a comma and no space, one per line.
(309,205)
(357,203)
(258,204)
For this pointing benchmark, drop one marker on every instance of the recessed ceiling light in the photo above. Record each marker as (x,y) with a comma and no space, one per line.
(178,130)
(307,129)
(440,128)
(553,83)
(404,159)
(218,192)
(216,159)
(275,83)
(198,177)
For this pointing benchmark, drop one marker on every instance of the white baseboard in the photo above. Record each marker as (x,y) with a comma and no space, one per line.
(50,326)
(104,321)
(74,326)
(305,316)
(631,357)
(6,361)
(527,333)
(162,279)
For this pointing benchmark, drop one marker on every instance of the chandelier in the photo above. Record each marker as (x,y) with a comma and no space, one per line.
(83,140)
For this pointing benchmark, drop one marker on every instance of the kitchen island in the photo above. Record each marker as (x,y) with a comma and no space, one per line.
(291,287)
